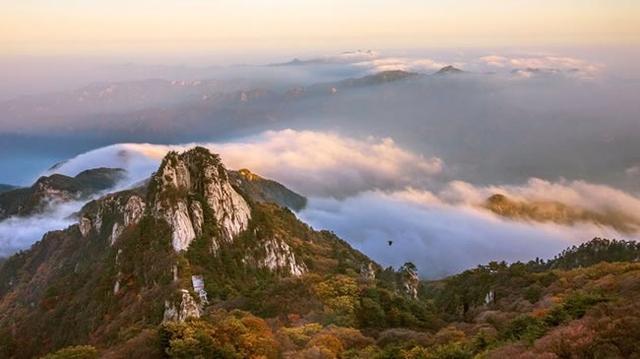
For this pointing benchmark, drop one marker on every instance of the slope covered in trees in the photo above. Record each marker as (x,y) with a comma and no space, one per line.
(197,264)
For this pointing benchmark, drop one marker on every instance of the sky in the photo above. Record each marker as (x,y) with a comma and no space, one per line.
(100,27)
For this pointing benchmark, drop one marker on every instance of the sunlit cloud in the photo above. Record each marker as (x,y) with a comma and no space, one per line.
(576,193)
(314,163)
(531,65)
(371,191)
(423,65)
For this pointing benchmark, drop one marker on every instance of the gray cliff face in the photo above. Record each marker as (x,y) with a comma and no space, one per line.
(179,192)
(182,309)
(280,257)
(192,192)
(111,215)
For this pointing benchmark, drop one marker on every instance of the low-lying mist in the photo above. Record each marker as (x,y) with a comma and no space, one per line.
(19,233)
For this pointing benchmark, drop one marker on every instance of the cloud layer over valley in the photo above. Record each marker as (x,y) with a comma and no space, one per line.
(18,233)
(518,156)
(313,163)
(372,190)
(440,239)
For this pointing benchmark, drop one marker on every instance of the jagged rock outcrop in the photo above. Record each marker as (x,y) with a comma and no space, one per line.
(112,214)
(133,210)
(187,182)
(185,308)
(198,287)
(490,297)
(280,257)
(138,257)
(410,280)
(368,272)
(197,217)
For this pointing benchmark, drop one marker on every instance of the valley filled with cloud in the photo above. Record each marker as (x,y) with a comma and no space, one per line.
(372,191)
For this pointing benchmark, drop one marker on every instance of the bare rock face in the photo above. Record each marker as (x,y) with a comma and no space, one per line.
(197,217)
(368,272)
(116,231)
(280,257)
(133,210)
(112,213)
(184,185)
(198,287)
(180,222)
(84,224)
(410,279)
(231,210)
(185,308)
(490,297)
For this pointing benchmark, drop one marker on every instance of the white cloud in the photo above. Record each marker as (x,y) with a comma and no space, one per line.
(404,64)
(353,56)
(370,191)
(322,164)
(531,65)
(582,194)
(314,163)
(17,233)
(373,61)
(440,239)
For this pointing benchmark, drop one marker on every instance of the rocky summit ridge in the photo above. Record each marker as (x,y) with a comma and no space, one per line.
(166,251)
(208,263)
(187,182)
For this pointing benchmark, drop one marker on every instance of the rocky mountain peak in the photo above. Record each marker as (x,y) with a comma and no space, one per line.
(193,239)
(187,185)
(248,175)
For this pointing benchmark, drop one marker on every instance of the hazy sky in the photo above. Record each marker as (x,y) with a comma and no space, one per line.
(163,26)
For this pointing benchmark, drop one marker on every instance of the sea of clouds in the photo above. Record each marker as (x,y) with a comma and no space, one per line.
(369,191)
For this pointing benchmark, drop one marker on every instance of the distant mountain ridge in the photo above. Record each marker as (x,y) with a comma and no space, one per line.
(126,105)
(264,190)
(558,212)
(6,187)
(57,188)
(449,70)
